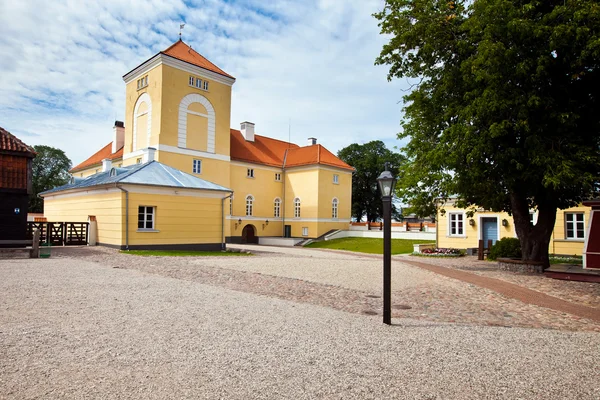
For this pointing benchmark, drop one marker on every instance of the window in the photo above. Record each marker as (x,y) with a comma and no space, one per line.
(191,81)
(82,174)
(95,172)
(197,166)
(249,204)
(142,82)
(231,206)
(334,208)
(138,161)
(574,225)
(532,220)
(336,178)
(278,177)
(146,217)
(250,173)
(199,83)
(205,85)
(277,208)
(456,221)
(296,208)
(305,231)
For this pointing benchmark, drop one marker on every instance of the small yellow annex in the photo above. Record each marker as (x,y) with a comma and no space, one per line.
(237,186)
(457,230)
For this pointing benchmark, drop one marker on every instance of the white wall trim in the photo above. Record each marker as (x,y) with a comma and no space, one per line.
(190,152)
(160,59)
(183,111)
(78,193)
(464,218)
(256,166)
(144,97)
(185,192)
(134,154)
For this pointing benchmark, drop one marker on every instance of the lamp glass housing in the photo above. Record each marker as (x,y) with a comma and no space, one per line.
(386,183)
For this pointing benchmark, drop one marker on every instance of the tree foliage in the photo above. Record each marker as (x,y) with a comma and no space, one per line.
(50,169)
(504,114)
(369,160)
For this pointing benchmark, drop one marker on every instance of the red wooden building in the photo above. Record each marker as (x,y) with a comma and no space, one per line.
(15,186)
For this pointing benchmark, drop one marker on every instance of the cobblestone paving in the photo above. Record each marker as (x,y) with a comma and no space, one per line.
(458,303)
(586,293)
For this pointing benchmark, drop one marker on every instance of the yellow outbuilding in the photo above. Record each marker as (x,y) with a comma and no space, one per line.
(177,115)
(456,230)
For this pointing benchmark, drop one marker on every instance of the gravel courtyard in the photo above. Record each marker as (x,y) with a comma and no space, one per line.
(92,323)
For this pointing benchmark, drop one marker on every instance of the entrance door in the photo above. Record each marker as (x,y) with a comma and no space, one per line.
(249,234)
(288,231)
(489,230)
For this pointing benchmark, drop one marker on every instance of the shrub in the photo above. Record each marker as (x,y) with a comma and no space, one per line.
(505,248)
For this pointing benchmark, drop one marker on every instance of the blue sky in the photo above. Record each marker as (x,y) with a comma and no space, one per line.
(308,63)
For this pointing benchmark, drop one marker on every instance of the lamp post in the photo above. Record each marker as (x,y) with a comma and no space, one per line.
(386,183)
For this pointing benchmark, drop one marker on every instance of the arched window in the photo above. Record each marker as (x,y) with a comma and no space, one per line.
(277,208)
(142,122)
(249,204)
(334,208)
(196,123)
(296,207)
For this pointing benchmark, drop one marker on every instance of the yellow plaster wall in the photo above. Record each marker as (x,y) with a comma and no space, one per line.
(154,90)
(263,187)
(329,190)
(108,209)
(560,245)
(179,219)
(215,171)
(142,128)
(175,88)
(197,132)
(304,185)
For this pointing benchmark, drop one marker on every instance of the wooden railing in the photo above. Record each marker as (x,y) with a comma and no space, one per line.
(60,233)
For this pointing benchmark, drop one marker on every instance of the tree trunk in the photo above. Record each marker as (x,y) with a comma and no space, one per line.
(534,239)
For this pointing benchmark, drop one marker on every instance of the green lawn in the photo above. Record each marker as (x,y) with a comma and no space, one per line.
(182,253)
(368,245)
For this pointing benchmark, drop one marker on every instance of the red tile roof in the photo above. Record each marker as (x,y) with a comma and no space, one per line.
(9,142)
(96,159)
(181,51)
(263,150)
(272,152)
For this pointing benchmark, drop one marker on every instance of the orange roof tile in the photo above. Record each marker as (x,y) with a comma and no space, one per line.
(315,154)
(263,150)
(96,159)
(271,152)
(9,142)
(183,52)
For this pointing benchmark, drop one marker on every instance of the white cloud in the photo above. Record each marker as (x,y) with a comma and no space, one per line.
(311,63)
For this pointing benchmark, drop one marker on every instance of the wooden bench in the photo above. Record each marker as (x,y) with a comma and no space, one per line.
(33,250)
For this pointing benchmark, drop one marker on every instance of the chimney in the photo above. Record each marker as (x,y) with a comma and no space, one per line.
(247,129)
(312,141)
(148,154)
(106,164)
(118,136)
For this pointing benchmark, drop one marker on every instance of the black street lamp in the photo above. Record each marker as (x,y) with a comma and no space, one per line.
(386,183)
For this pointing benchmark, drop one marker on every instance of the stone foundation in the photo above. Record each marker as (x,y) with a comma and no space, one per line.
(516,265)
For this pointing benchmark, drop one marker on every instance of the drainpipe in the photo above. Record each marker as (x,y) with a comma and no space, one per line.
(126,215)
(223,219)
(283,201)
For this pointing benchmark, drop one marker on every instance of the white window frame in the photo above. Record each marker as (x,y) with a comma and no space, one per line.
(205,85)
(277,207)
(191,80)
(305,231)
(297,207)
(278,176)
(145,220)
(574,223)
(231,205)
(334,208)
(198,83)
(250,173)
(462,218)
(336,179)
(196,166)
(249,205)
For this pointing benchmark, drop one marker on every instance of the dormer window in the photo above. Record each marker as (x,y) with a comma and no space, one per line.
(142,82)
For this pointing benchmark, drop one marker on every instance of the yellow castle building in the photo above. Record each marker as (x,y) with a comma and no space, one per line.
(176,176)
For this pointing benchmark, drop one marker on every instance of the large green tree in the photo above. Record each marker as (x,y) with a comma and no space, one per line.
(505,111)
(369,160)
(50,169)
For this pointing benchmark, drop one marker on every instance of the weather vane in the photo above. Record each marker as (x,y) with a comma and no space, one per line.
(180,29)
